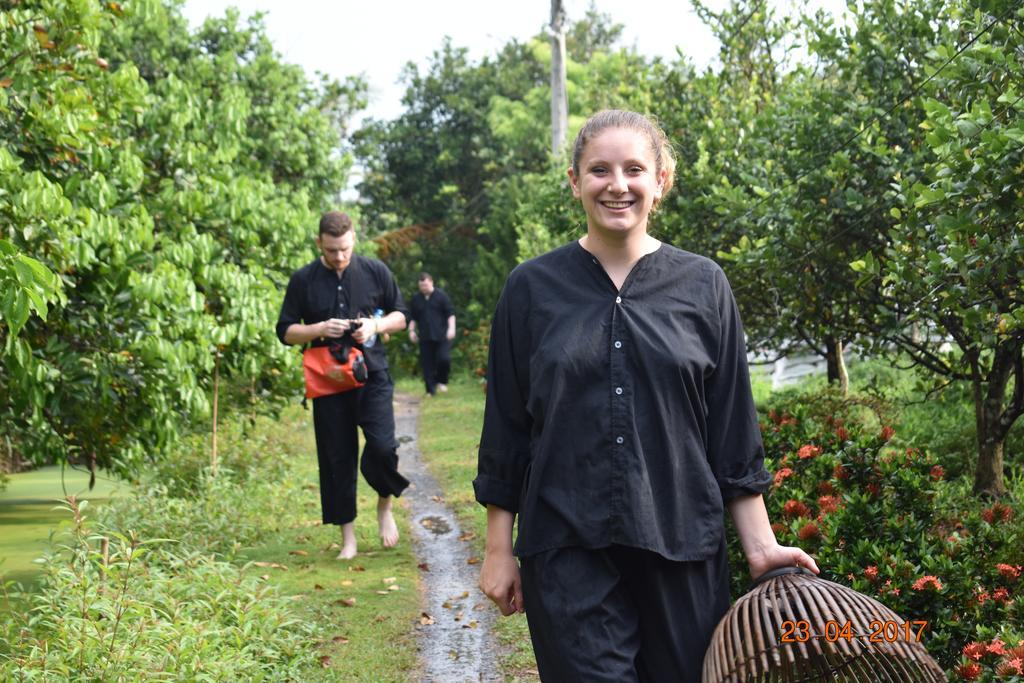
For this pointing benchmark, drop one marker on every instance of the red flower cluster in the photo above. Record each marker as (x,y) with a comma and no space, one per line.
(828,504)
(871,572)
(794,508)
(999,511)
(808,451)
(808,531)
(887,433)
(842,434)
(974,651)
(937,473)
(1009,571)
(926,581)
(1013,666)
(969,672)
(826,488)
(840,473)
(1002,596)
(781,420)
(782,475)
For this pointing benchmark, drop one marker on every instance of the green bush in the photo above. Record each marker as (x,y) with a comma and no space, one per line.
(117,605)
(886,519)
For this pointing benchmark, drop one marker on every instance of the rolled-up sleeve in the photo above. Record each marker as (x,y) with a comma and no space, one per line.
(735,449)
(291,307)
(505,441)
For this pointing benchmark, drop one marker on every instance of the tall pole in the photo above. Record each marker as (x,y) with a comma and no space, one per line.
(559,96)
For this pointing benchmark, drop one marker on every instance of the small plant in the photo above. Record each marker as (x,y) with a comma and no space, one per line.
(116,606)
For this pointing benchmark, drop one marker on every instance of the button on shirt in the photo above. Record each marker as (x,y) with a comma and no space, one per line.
(618,416)
(315,293)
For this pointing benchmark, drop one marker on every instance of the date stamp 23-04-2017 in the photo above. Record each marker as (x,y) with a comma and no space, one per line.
(879,631)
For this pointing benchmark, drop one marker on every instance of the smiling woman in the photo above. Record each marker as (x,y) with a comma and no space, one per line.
(619,426)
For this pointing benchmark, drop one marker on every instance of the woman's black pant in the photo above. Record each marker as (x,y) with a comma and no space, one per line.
(436,362)
(622,614)
(335,419)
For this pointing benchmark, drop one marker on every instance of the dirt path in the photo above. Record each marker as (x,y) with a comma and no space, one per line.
(455,632)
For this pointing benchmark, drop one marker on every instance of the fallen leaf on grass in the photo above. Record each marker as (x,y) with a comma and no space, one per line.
(467,536)
(300,553)
(317,587)
(341,640)
(424,566)
(346,602)
(394,587)
(325,661)
(383,592)
(389,580)
(426,619)
(379,618)
(473,560)
(356,568)
(347,582)
(271,565)
(310,522)
(265,577)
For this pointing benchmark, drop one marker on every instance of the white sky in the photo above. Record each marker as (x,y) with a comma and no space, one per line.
(377,37)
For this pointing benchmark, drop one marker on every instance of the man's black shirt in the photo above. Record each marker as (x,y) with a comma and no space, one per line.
(316,293)
(618,417)
(431,314)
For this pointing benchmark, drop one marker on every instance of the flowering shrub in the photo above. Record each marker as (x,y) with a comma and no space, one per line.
(885,520)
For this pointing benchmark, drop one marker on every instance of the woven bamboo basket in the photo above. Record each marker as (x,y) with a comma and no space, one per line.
(794,627)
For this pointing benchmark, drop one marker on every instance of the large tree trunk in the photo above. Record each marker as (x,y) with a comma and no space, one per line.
(559,95)
(995,415)
(836,364)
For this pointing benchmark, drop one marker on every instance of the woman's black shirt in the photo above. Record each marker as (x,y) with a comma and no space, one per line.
(618,417)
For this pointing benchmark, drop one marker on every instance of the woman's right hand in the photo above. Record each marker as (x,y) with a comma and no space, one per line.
(499,575)
(499,580)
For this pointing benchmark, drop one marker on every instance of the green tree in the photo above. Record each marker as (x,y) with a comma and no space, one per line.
(172,184)
(952,270)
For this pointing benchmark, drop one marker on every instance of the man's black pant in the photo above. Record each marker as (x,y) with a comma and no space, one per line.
(335,419)
(436,362)
(621,614)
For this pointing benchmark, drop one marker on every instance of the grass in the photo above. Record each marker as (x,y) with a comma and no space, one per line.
(449,432)
(363,612)
(28,515)
(368,626)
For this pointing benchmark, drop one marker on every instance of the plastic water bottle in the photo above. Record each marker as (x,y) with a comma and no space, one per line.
(377,315)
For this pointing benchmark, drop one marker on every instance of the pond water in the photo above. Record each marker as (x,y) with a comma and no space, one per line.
(29,513)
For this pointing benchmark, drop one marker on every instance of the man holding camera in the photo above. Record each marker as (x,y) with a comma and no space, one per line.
(331,297)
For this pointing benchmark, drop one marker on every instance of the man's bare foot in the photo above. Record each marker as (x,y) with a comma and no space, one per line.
(348,545)
(388,528)
(443,388)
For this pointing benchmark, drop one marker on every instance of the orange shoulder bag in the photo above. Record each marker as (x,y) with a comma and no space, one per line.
(333,369)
